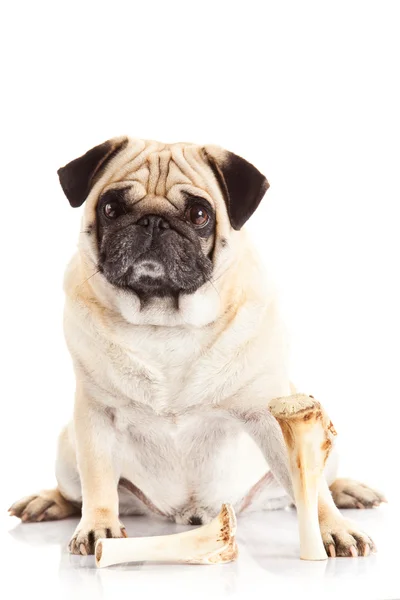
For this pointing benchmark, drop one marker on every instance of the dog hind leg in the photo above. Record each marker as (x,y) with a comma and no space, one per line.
(58,503)
(47,505)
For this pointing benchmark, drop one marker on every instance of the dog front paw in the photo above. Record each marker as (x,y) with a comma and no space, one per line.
(341,537)
(102,525)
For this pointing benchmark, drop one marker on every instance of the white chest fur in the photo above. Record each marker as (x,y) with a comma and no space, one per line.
(166,386)
(173,368)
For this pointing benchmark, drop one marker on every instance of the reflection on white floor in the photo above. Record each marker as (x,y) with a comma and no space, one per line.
(35,562)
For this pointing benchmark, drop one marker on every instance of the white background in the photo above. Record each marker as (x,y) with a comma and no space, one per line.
(307,91)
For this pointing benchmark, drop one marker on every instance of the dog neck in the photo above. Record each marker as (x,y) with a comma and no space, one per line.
(200,309)
(231,287)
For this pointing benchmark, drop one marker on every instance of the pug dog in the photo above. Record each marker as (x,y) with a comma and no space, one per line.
(178,347)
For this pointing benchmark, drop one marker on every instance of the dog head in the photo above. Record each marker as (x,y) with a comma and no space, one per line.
(158,217)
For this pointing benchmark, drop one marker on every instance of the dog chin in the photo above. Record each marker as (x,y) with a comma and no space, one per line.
(148,278)
(148,270)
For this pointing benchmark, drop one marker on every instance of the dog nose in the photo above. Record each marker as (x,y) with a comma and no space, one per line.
(153,222)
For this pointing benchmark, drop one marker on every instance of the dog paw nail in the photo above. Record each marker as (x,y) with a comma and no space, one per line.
(353,551)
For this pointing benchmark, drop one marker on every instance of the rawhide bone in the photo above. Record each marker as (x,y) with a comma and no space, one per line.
(209,544)
(308,434)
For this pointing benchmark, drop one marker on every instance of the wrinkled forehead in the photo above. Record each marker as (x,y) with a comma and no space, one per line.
(154,171)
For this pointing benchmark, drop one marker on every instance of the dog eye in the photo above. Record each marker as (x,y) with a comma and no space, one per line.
(197,215)
(112,209)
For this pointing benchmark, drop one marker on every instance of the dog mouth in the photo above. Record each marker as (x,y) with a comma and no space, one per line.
(156,272)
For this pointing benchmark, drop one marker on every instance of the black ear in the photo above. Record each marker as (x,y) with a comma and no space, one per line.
(78,176)
(242,184)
